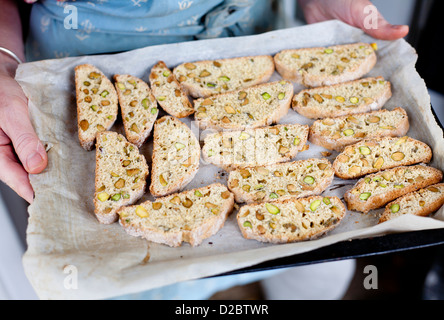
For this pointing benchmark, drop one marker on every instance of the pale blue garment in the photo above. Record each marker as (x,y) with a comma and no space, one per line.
(106,26)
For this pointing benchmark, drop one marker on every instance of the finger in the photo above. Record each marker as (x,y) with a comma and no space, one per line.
(387,31)
(367,17)
(17,126)
(14,175)
(316,11)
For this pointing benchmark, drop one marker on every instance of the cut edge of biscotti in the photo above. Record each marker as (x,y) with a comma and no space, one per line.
(138,107)
(120,175)
(290,220)
(168,92)
(97,103)
(252,107)
(337,133)
(422,202)
(176,155)
(376,190)
(281,181)
(370,156)
(324,66)
(189,216)
(255,147)
(352,97)
(204,78)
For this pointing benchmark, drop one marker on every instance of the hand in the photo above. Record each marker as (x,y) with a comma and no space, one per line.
(17,136)
(353,13)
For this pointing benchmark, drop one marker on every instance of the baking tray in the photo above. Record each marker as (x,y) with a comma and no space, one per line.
(63,230)
(355,248)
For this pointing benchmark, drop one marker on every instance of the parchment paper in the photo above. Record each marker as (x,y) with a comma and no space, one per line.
(67,246)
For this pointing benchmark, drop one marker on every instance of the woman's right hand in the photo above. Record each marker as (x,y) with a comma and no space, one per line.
(21,151)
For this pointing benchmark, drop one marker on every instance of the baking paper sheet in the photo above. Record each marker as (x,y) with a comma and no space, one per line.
(71,256)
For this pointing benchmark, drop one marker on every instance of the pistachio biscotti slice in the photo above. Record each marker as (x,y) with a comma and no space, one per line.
(176,153)
(121,173)
(168,92)
(252,107)
(190,216)
(376,190)
(281,181)
(97,104)
(290,220)
(254,147)
(369,156)
(343,99)
(324,66)
(138,107)
(205,78)
(421,203)
(337,133)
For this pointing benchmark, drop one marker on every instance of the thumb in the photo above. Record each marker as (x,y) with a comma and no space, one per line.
(367,17)
(387,31)
(17,126)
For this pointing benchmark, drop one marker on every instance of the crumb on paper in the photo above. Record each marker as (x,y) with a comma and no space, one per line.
(326,153)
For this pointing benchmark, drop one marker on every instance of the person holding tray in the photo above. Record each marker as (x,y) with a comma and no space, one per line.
(57,29)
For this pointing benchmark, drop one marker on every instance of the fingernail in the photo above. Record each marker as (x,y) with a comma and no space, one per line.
(34,161)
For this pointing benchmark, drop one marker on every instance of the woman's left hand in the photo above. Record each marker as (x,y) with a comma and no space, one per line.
(355,13)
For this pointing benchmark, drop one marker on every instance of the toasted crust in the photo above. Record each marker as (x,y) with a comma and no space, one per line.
(369,156)
(290,220)
(168,92)
(108,171)
(421,203)
(95,122)
(335,134)
(179,226)
(235,69)
(142,114)
(299,70)
(388,185)
(281,181)
(186,158)
(245,108)
(372,94)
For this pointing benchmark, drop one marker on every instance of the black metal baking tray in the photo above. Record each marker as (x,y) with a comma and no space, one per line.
(352,249)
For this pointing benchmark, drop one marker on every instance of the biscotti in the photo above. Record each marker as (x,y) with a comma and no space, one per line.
(376,190)
(369,156)
(324,66)
(138,107)
(252,107)
(176,153)
(254,147)
(290,220)
(281,181)
(336,133)
(421,203)
(343,99)
(168,92)
(97,104)
(190,216)
(121,173)
(205,78)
